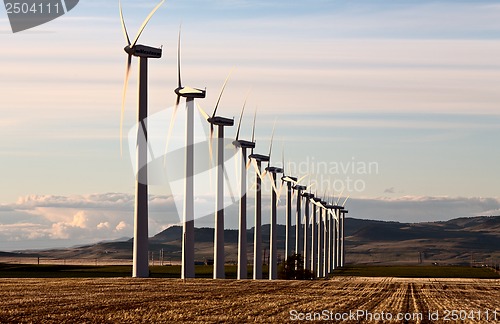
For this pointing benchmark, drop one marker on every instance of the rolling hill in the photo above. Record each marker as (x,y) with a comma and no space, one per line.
(458,241)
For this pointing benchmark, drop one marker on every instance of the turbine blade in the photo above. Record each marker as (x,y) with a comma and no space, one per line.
(283,159)
(171,127)
(253,128)
(256,167)
(273,184)
(241,117)
(221,92)
(125,85)
(340,196)
(249,163)
(271,144)
(146,22)
(123,23)
(179,82)
(345,201)
(203,112)
(281,190)
(210,148)
(302,178)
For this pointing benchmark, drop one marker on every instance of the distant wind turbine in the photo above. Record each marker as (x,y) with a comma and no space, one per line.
(290,182)
(140,251)
(242,272)
(256,160)
(187,269)
(220,122)
(273,249)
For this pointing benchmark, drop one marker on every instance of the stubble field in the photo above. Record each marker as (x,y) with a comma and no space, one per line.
(126,300)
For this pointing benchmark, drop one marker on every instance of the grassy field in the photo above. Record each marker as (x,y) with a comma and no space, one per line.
(127,300)
(174,271)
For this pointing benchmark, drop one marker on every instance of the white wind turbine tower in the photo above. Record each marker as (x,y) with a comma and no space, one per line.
(140,253)
(325,237)
(187,270)
(273,249)
(288,226)
(338,211)
(308,219)
(331,237)
(256,160)
(298,218)
(314,243)
(242,271)
(290,183)
(342,250)
(319,259)
(220,122)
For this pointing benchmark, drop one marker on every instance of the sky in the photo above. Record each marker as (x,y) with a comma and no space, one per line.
(407,87)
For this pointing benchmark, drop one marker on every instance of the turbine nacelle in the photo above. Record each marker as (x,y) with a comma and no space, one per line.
(259,157)
(188,92)
(143,51)
(337,207)
(299,187)
(274,170)
(289,179)
(244,144)
(221,121)
(308,195)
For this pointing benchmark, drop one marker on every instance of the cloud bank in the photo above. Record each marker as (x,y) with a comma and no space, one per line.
(44,221)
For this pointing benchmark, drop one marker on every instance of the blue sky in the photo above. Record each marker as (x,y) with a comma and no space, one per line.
(410,85)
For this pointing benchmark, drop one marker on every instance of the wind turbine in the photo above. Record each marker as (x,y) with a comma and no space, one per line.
(256,160)
(314,231)
(220,122)
(341,252)
(290,181)
(307,219)
(273,249)
(342,249)
(320,235)
(187,270)
(140,252)
(298,217)
(242,228)
(325,237)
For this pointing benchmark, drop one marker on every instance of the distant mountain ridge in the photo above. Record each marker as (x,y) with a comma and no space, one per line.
(457,241)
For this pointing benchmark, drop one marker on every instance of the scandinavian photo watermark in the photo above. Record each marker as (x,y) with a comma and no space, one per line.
(26,14)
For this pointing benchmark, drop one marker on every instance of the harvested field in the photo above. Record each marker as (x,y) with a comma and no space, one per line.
(201,300)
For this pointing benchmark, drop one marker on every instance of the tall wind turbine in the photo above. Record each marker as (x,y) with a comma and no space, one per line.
(320,231)
(187,269)
(220,122)
(298,217)
(290,181)
(335,212)
(256,160)
(325,237)
(273,248)
(314,231)
(242,272)
(140,253)
(307,219)
(342,249)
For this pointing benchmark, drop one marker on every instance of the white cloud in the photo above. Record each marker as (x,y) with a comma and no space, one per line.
(91,218)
